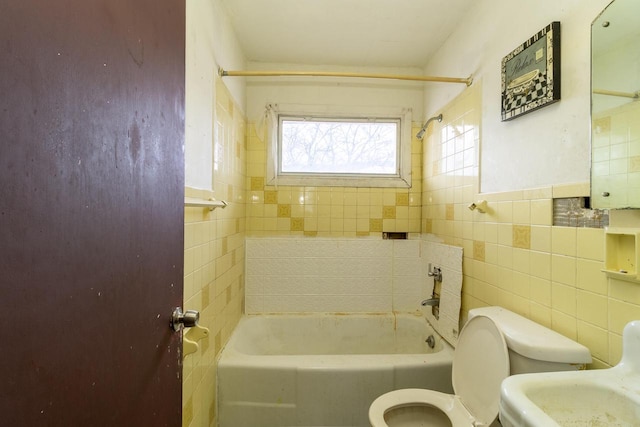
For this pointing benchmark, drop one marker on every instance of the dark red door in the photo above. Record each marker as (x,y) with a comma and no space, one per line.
(91,211)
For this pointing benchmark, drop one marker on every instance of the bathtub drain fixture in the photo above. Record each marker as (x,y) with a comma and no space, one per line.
(431,341)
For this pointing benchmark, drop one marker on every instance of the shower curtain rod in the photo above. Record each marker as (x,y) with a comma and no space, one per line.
(225,73)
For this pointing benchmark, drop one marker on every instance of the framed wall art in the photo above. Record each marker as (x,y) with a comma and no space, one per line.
(531,74)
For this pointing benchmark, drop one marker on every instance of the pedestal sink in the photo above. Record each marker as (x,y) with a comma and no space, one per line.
(605,397)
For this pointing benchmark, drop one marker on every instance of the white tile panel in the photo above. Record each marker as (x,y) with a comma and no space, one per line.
(406,248)
(254,304)
(342,275)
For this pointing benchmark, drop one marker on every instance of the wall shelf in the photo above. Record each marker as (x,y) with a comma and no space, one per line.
(622,253)
(210,204)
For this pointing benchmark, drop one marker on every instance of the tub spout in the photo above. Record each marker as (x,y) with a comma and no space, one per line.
(431,302)
(434,303)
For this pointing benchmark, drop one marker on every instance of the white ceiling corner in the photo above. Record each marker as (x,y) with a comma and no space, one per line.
(368,33)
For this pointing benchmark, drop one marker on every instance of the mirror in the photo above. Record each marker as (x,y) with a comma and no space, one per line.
(615,106)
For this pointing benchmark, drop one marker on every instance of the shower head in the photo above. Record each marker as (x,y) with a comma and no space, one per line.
(420,134)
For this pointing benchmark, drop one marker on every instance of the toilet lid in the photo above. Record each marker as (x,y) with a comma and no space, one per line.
(480,363)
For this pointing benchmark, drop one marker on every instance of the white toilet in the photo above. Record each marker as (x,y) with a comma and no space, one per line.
(494,343)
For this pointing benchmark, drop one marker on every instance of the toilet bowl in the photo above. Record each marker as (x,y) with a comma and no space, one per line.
(480,363)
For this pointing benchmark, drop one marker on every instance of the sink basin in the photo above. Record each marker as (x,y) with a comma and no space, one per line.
(605,397)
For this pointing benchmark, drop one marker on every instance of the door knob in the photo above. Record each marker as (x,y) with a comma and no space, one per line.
(188,319)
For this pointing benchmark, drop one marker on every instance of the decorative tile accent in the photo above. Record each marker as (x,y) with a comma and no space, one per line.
(388,212)
(449,211)
(206,296)
(375,224)
(402,199)
(478,250)
(270,197)
(257,183)
(297,224)
(522,236)
(284,211)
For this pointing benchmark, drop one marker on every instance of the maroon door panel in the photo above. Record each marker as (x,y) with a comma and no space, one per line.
(91,211)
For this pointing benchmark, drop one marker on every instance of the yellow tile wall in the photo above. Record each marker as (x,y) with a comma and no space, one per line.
(513,255)
(616,154)
(214,260)
(329,211)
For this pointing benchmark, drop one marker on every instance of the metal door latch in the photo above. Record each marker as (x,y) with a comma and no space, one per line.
(188,319)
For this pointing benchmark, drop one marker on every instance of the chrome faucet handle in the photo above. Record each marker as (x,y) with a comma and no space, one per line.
(436,273)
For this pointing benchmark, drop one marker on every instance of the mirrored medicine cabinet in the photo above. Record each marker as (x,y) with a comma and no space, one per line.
(615,106)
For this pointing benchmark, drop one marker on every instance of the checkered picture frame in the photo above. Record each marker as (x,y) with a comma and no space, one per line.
(543,87)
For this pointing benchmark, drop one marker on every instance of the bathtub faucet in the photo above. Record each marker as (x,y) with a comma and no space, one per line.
(431,302)
(434,303)
(436,273)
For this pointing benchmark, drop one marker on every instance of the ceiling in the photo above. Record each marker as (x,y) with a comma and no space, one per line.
(373,33)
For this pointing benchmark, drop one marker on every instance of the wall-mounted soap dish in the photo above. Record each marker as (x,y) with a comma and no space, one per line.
(622,253)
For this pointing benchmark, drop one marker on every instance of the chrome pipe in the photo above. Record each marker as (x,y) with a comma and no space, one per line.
(420,134)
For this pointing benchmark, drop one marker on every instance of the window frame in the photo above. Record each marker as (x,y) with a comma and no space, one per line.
(401,179)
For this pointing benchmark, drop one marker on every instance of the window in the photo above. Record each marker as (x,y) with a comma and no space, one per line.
(334,146)
(341,150)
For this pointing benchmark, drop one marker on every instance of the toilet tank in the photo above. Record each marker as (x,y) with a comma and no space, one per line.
(533,347)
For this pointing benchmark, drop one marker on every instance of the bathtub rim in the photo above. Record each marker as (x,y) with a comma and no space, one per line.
(230,356)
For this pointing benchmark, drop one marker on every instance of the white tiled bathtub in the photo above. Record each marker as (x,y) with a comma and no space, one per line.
(324,370)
